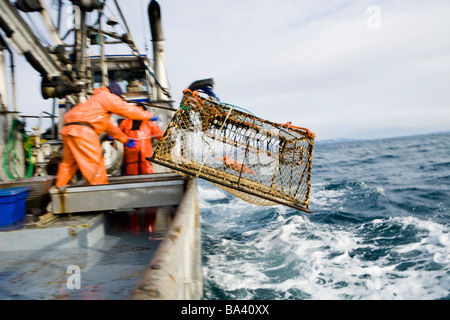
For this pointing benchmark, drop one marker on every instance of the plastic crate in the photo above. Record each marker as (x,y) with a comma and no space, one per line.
(12,205)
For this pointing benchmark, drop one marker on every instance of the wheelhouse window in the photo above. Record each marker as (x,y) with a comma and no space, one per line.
(129,81)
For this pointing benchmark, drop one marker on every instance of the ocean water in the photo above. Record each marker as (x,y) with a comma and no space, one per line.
(380,228)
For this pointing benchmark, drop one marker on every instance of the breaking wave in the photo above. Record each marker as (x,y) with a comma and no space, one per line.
(376,233)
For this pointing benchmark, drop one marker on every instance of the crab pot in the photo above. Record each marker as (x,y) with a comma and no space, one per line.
(259,161)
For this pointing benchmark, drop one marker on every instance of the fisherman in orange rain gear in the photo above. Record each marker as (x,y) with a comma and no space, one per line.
(135,162)
(134,159)
(82,125)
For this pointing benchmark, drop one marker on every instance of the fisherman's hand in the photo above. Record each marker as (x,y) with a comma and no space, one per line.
(131,143)
(210,93)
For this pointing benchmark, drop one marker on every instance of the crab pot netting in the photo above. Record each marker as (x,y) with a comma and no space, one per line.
(259,161)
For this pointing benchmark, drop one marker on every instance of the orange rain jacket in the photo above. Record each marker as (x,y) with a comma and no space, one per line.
(81,145)
(134,158)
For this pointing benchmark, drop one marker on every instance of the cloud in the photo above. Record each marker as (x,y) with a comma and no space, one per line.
(315,63)
(320,66)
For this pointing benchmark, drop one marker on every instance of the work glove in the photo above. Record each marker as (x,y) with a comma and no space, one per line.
(131,143)
(210,93)
(154,118)
(111,141)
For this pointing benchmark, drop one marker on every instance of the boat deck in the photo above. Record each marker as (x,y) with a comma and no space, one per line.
(132,239)
(78,257)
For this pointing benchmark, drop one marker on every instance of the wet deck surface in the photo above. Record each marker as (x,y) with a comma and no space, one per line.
(108,268)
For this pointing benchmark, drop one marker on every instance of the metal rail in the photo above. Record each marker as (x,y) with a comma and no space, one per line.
(121,193)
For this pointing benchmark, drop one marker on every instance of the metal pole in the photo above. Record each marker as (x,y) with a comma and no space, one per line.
(103,64)
(49,25)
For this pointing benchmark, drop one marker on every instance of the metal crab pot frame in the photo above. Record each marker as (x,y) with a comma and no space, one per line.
(259,161)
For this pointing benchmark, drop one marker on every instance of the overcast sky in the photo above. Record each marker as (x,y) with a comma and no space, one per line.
(342,68)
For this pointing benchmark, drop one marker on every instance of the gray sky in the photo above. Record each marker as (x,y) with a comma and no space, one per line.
(342,68)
